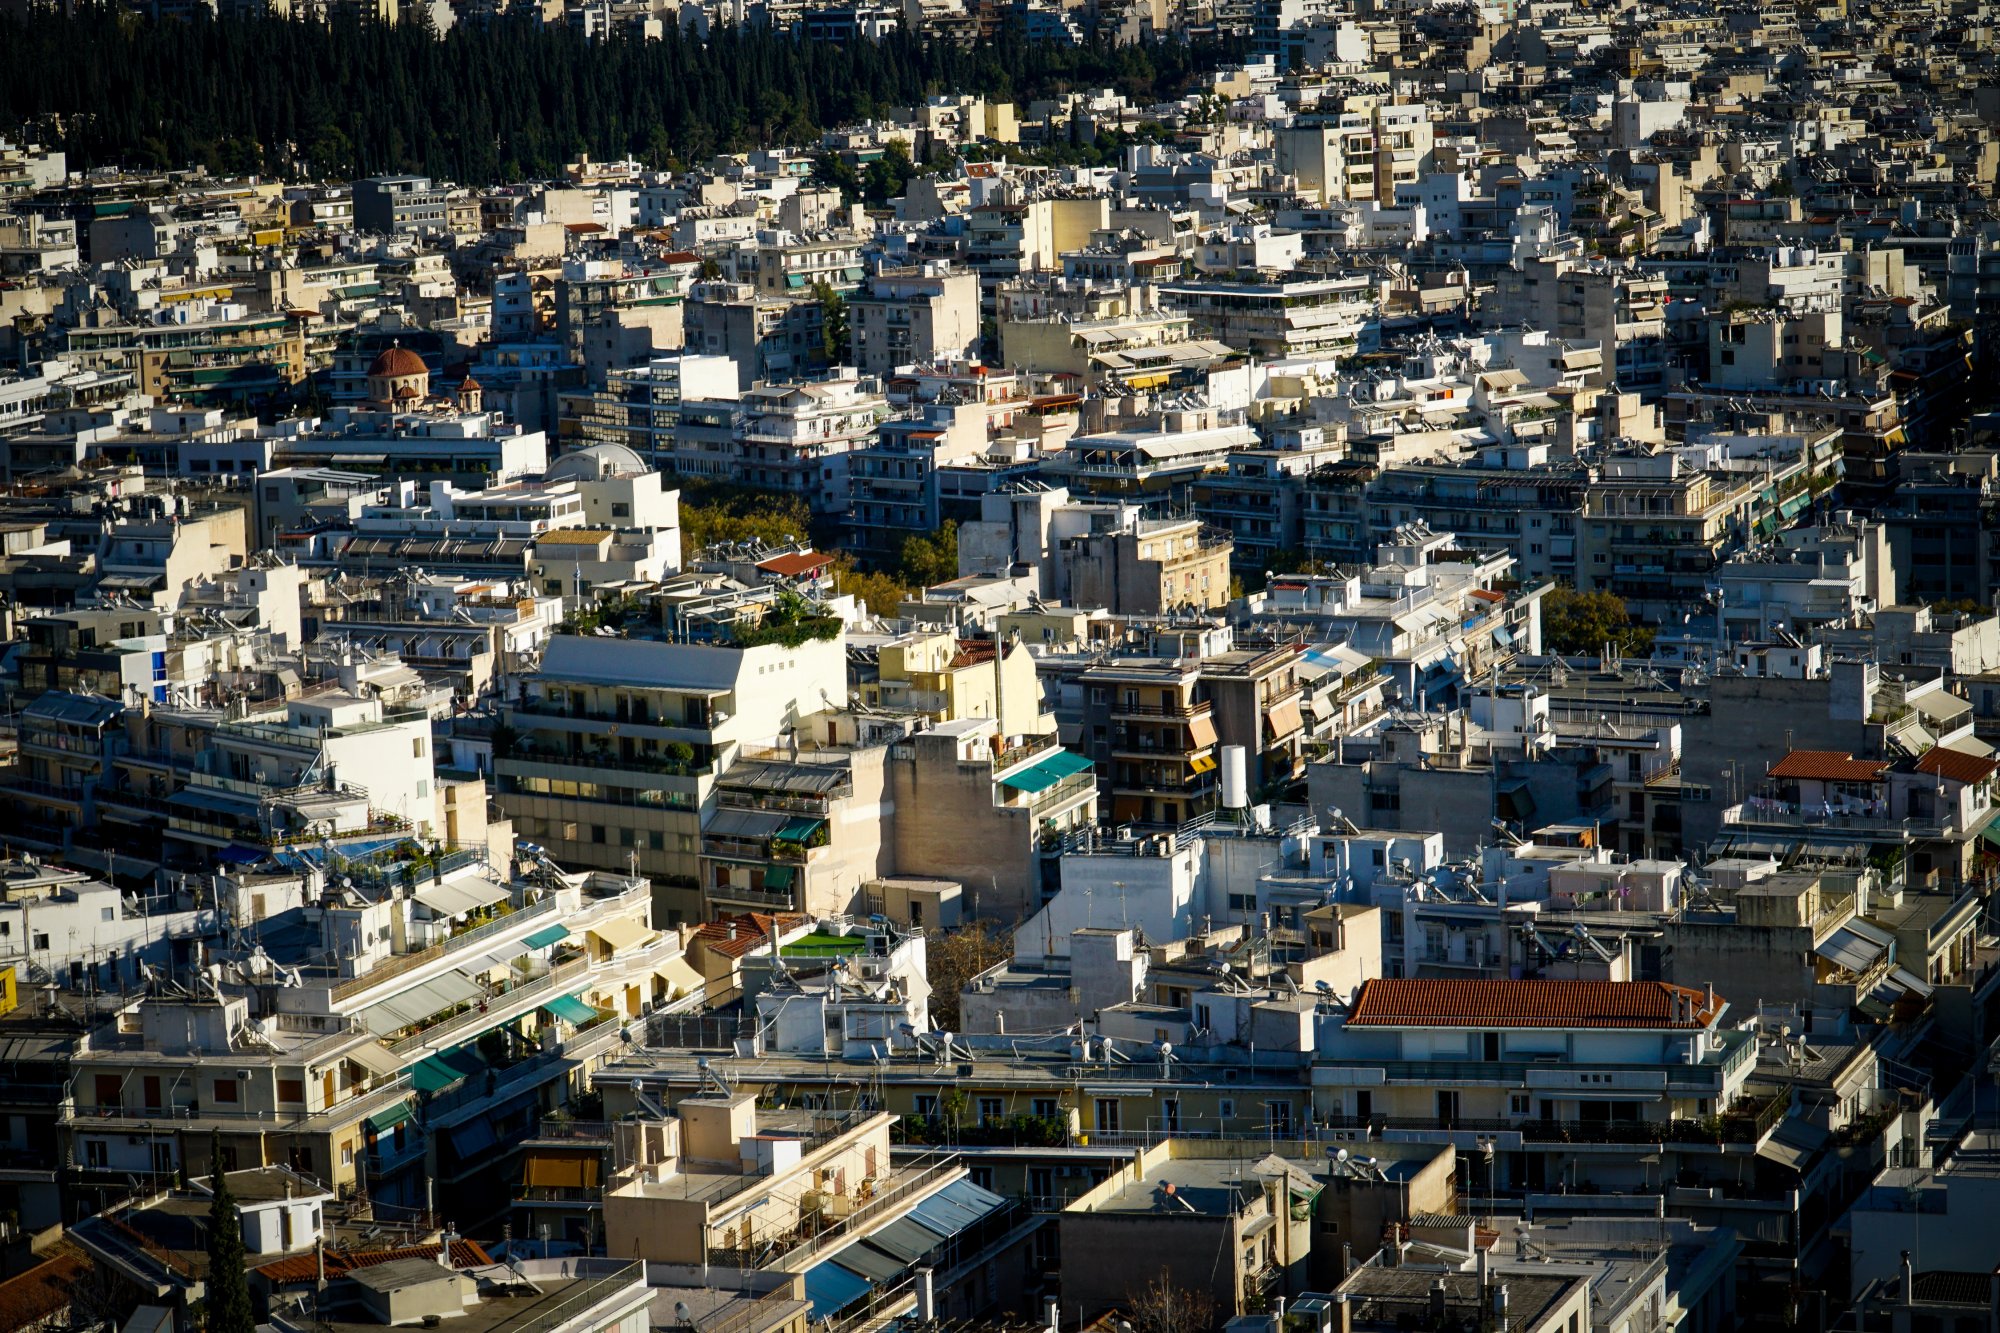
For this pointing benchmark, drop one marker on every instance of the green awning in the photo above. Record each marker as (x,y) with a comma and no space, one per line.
(1991,833)
(1065,764)
(384,1121)
(800,829)
(547,935)
(1032,778)
(795,279)
(433,1075)
(572,1010)
(779,877)
(441,1071)
(1047,772)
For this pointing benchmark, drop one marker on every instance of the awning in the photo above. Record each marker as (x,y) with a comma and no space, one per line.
(832,1288)
(237,855)
(384,1121)
(906,1239)
(376,1060)
(1285,718)
(956,1207)
(800,829)
(441,1071)
(1991,833)
(750,824)
(491,959)
(551,1169)
(1849,949)
(456,897)
(419,1002)
(780,877)
(1202,730)
(874,1265)
(681,976)
(546,936)
(473,1138)
(1203,763)
(1065,764)
(571,1009)
(1033,778)
(621,932)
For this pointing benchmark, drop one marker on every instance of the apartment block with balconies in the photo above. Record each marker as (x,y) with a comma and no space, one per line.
(1153,737)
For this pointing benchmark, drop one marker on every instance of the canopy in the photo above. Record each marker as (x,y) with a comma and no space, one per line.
(571,1009)
(832,1288)
(800,829)
(956,1207)
(779,877)
(472,1138)
(680,974)
(621,932)
(419,1002)
(376,1060)
(1202,729)
(547,935)
(549,1168)
(441,1071)
(1285,718)
(1046,772)
(384,1121)
(456,897)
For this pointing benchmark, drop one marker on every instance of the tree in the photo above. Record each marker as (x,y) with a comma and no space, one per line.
(712,515)
(953,959)
(932,559)
(228,1302)
(881,593)
(1583,622)
(834,335)
(1162,1307)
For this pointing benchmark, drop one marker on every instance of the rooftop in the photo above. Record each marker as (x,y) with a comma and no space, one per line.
(1385,1002)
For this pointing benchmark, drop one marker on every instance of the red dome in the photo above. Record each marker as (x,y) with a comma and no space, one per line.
(398,363)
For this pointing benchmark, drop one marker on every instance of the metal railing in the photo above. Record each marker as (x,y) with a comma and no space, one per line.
(852,1225)
(485,1013)
(401,963)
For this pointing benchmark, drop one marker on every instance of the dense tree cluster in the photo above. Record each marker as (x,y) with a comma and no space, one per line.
(509,100)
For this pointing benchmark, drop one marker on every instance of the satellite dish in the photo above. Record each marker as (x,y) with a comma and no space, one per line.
(682,1313)
(1340,1156)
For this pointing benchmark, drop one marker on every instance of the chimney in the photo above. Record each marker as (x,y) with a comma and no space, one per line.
(1709,1007)
(1438,1303)
(1908,1279)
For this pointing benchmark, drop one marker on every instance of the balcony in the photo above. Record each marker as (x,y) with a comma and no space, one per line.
(1185,711)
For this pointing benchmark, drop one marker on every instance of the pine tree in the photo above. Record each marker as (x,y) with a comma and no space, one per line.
(228,1285)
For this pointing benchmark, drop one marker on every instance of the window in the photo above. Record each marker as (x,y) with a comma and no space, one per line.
(107,914)
(1107,1115)
(41,940)
(927,1106)
(93,1152)
(291,1090)
(1278,1119)
(1517,1103)
(991,1111)
(227,1091)
(1043,1108)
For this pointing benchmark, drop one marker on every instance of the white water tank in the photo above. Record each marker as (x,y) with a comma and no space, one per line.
(1235,777)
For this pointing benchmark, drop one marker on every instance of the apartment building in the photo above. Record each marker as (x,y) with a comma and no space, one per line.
(1153,738)
(1154,567)
(794,439)
(614,752)
(906,316)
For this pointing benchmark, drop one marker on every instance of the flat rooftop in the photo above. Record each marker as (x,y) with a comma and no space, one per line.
(1204,1186)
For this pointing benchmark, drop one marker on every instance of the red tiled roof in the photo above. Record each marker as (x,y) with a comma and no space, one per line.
(795,564)
(1828,766)
(41,1292)
(1487,595)
(1524,1004)
(1957,765)
(753,929)
(305,1267)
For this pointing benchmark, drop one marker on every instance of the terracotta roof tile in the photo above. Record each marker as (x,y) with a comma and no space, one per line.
(305,1267)
(41,1292)
(1393,1002)
(1957,765)
(795,564)
(753,929)
(1828,766)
